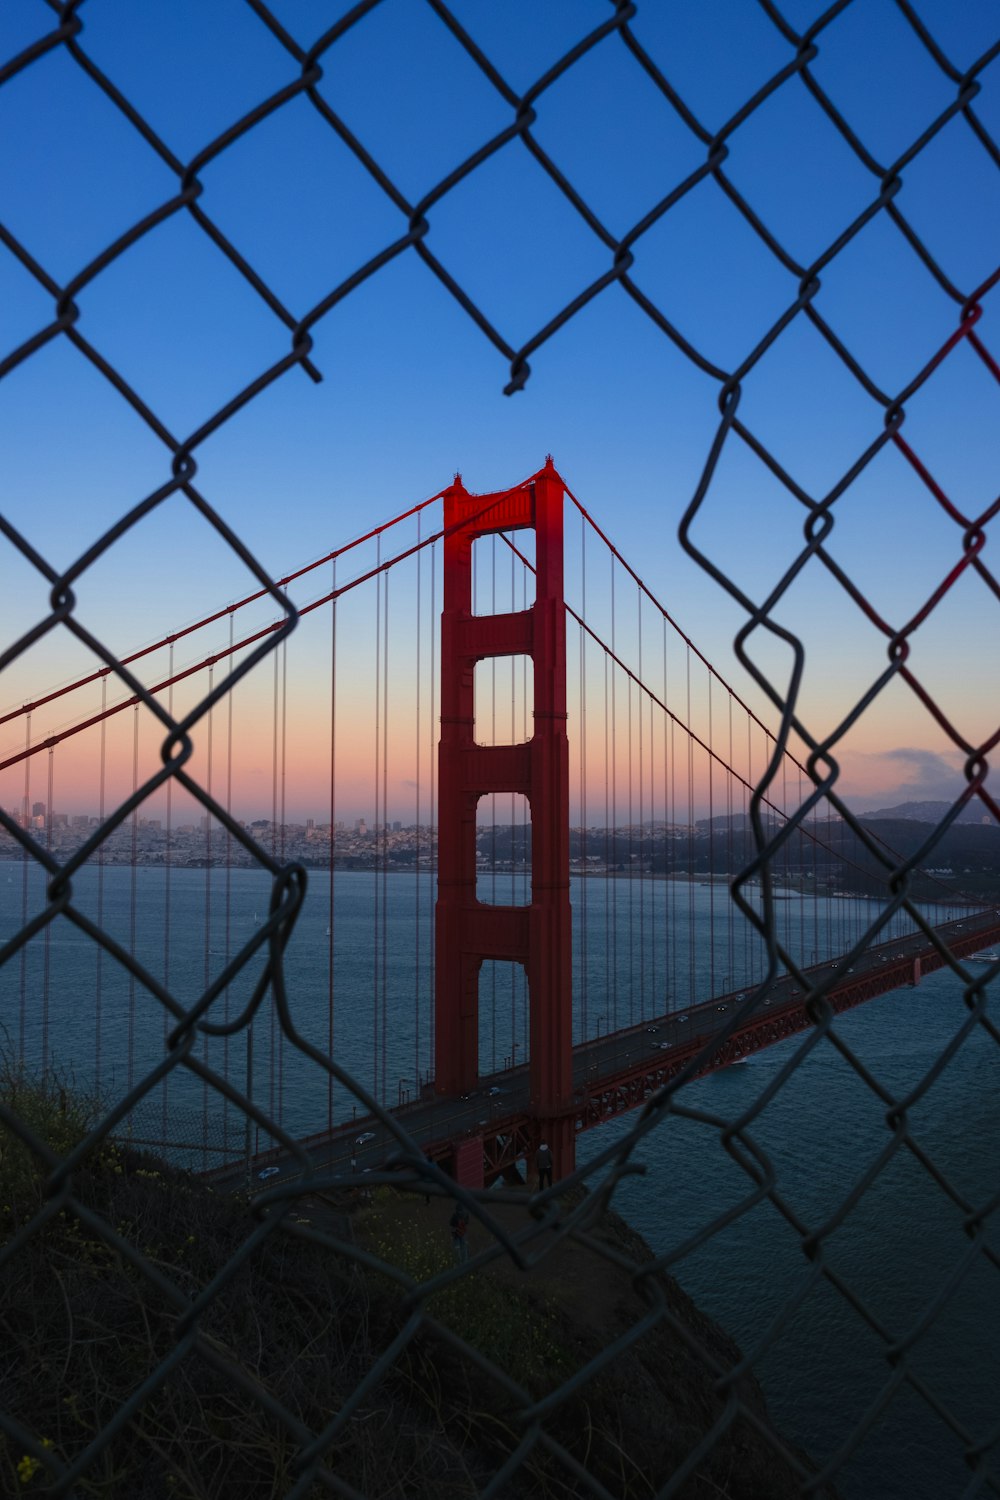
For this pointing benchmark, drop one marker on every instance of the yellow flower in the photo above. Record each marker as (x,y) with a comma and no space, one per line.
(29,1467)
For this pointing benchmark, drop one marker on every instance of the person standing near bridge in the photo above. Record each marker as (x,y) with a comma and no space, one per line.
(543,1161)
(459,1225)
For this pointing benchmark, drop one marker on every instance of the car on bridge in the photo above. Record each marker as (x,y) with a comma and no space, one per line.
(364,1137)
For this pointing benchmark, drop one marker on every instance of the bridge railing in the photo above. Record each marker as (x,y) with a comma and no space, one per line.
(77,1218)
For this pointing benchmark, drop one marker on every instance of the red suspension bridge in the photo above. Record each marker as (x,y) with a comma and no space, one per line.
(530,795)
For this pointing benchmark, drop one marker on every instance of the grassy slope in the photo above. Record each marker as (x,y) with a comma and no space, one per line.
(295,1326)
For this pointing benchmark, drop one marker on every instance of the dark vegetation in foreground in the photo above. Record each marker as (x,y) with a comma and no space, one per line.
(296,1325)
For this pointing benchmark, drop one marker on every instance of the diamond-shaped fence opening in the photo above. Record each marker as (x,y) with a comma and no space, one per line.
(782,162)
(319,194)
(869,296)
(943,419)
(451,106)
(303,1329)
(110,179)
(163,66)
(549,254)
(703,227)
(617,101)
(889,86)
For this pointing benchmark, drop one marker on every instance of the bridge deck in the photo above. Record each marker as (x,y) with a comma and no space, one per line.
(621,1071)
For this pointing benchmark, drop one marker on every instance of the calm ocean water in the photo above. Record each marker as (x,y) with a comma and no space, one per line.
(823,1370)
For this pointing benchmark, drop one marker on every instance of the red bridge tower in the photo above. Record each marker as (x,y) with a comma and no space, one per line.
(467,930)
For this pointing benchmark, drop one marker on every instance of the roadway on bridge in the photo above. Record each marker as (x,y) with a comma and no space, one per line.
(501,1099)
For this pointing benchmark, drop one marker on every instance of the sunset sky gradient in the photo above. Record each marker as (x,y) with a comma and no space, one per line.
(412,390)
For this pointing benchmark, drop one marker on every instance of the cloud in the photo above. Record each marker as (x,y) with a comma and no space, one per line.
(903,774)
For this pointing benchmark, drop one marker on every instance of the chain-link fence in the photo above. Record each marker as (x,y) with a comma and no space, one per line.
(181,1343)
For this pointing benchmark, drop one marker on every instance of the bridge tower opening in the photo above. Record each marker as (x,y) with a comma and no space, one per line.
(467,931)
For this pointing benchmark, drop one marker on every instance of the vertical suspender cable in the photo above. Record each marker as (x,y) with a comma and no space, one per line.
(613,1025)
(642,831)
(608,843)
(385,845)
(272,1014)
(416,824)
(132,908)
(229,886)
(692,946)
(749,938)
(47,937)
(25,863)
(284,740)
(379,916)
(99,977)
(667,844)
(167,880)
(836,905)
(584,903)
(789,879)
(284,771)
(629,868)
(816,914)
(514,855)
(493,810)
(673,879)
(432,719)
(274,761)
(711,848)
(207,970)
(642,881)
(655,985)
(800,867)
(649,858)
(332,906)
(742,978)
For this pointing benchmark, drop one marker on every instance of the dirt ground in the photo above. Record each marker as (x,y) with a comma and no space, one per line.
(595,1293)
(662,1392)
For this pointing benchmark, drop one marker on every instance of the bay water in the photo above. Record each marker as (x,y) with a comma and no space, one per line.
(901,1248)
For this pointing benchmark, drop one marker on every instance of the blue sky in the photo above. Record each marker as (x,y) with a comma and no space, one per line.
(412,389)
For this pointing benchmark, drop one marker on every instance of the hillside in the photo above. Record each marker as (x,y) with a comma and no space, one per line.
(966,855)
(926,812)
(293,1329)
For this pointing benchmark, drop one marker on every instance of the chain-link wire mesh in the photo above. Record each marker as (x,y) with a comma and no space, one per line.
(404,1327)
